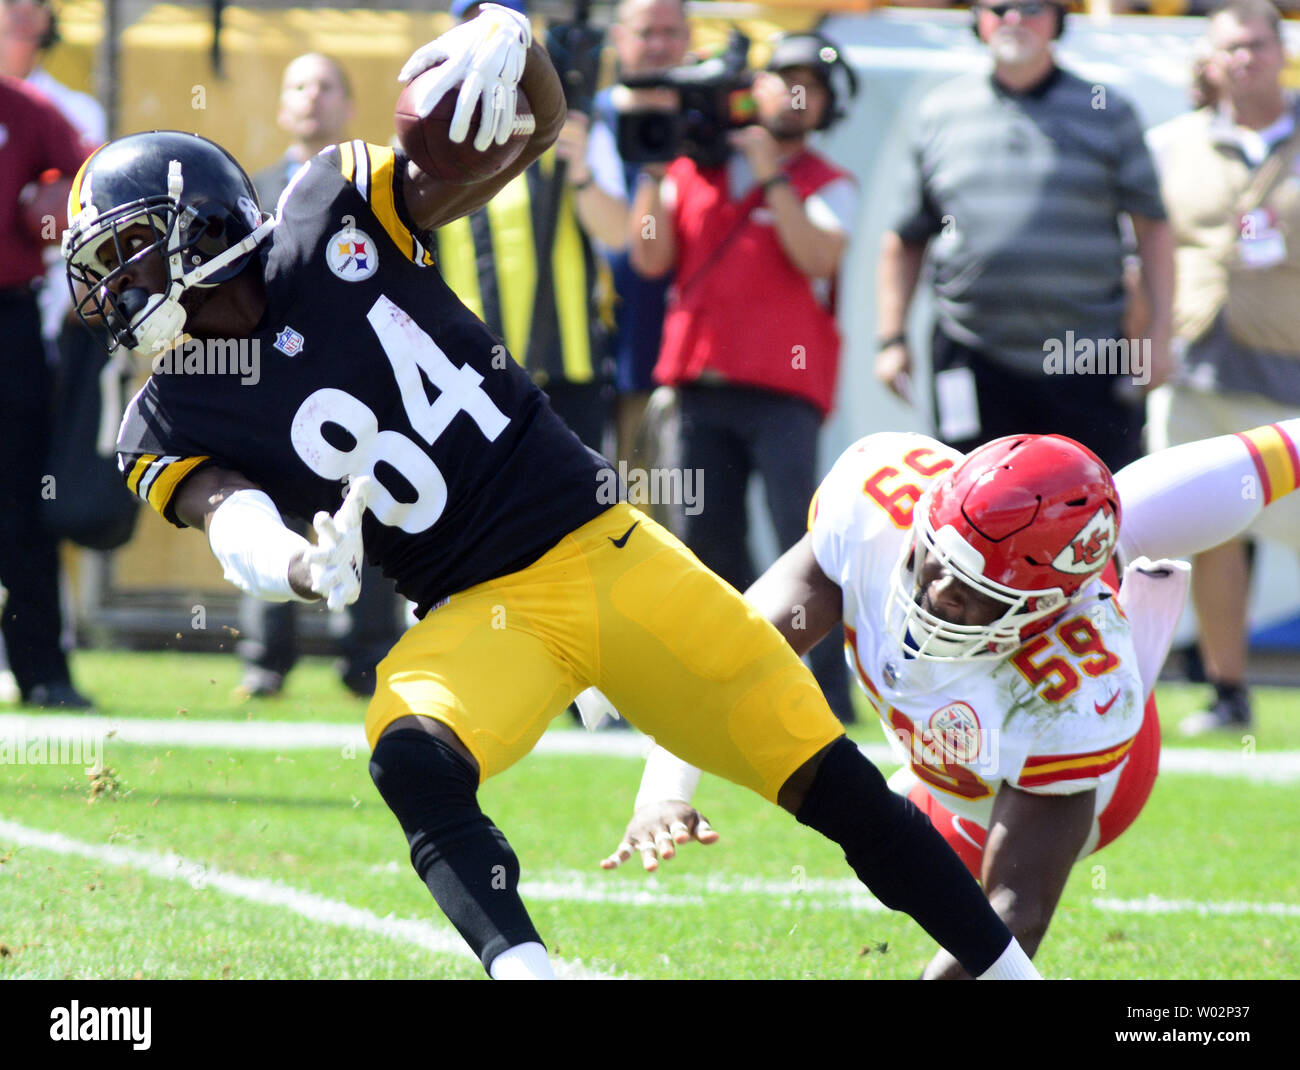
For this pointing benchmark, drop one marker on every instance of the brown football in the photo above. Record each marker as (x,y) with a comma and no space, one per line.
(431,149)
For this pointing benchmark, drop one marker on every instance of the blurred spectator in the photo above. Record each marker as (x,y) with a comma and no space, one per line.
(1020,180)
(494,263)
(1229,181)
(29,29)
(750,339)
(37,138)
(315,109)
(1204,93)
(648,36)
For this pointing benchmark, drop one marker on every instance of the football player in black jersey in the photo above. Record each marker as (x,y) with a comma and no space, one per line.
(323,357)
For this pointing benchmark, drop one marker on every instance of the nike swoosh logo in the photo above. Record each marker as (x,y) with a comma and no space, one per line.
(1101,710)
(621,542)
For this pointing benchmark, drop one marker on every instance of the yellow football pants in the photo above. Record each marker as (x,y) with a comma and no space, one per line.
(622,605)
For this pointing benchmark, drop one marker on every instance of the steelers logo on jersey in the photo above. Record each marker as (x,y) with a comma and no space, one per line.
(352,255)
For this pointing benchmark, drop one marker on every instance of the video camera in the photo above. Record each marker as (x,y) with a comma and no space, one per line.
(715,98)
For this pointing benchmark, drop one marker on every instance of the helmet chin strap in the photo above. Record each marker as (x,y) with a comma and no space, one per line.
(159,324)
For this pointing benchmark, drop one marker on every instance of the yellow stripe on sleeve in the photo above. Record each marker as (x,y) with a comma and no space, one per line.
(160,494)
(1277,455)
(382,203)
(347,161)
(138,470)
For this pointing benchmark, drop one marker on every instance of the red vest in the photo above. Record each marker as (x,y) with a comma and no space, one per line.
(747,314)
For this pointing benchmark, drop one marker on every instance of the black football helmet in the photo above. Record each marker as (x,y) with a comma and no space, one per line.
(203,219)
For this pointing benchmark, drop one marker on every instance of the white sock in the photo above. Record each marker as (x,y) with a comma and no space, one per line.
(1193,497)
(1012,965)
(523,962)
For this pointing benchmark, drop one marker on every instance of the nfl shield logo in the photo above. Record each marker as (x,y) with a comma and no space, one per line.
(289,342)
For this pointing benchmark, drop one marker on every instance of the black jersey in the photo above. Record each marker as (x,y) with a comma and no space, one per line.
(365,362)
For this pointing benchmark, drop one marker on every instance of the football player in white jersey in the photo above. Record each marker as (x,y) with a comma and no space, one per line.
(1012,672)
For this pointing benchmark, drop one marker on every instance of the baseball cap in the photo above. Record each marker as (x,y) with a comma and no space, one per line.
(803,50)
(459,7)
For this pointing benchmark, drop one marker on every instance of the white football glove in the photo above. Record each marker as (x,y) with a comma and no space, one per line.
(335,561)
(486,55)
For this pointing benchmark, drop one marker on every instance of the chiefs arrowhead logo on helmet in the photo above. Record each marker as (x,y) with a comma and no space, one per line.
(1089,550)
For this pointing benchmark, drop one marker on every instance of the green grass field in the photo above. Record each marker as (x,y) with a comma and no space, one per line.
(212,862)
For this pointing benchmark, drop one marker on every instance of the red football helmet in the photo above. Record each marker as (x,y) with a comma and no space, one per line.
(1026,521)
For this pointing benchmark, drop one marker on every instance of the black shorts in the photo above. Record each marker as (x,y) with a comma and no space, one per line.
(1088,408)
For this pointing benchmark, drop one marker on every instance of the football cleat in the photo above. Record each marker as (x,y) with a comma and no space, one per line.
(1026,522)
(176,195)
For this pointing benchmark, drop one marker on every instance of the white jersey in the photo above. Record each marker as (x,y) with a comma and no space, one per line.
(1056,717)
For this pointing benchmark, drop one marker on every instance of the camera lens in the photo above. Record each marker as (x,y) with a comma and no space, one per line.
(658,133)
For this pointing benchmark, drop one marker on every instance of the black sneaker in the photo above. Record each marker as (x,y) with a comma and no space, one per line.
(259,683)
(1231,711)
(57,696)
(360,682)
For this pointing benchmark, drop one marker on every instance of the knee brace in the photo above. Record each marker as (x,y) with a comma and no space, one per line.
(897,853)
(459,854)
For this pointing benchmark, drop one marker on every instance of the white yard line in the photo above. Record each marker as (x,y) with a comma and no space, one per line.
(1280,767)
(568,886)
(235,735)
(818,893)
(318,908)
(1154,904)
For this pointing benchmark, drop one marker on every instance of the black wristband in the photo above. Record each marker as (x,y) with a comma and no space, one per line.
(775,180)
(893,340)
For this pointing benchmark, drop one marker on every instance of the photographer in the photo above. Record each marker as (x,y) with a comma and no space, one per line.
(750,339)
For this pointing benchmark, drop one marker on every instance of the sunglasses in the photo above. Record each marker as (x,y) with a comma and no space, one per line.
(1026,10)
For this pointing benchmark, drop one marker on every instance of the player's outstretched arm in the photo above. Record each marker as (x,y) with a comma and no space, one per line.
(656,830)
(798,598)
(432,203)
(1032,843)
(1189,498)
(260,555)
